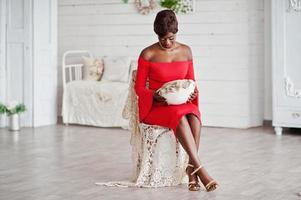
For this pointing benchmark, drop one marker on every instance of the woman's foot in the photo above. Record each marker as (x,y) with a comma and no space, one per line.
(209,183)
(193,181)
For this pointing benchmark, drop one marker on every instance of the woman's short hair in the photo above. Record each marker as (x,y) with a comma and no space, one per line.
(165,21)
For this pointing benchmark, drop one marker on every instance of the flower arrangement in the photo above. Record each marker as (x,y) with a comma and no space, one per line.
(12,108)
(145,6)
(178,6)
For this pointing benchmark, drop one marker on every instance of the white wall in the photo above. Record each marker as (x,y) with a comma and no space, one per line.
(226,37)
(256,61)
(45,62)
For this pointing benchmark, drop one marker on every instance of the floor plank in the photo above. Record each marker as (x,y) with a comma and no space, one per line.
(64,162)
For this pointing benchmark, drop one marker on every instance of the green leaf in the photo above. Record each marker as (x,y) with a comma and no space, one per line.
(176,5)
(171,4)
(2,109)
(17,109)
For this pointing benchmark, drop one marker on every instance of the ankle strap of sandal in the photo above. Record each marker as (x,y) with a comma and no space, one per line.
(190,165)
(200,167)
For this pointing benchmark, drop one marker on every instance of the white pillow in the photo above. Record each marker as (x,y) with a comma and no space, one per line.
(93,68)
(116,68)
(177,91)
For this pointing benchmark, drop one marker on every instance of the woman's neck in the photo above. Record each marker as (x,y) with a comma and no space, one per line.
(167,49)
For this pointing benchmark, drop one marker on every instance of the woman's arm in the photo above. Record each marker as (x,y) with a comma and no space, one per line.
(145,95)
(194,98)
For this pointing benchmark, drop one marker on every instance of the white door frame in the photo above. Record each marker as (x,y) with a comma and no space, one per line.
(2,58)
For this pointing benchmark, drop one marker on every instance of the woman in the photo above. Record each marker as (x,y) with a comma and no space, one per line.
(161,62)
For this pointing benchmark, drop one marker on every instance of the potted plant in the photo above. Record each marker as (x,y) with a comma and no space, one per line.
(12,110)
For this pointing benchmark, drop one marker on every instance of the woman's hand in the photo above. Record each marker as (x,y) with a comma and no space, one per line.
(193,95)
(158,97)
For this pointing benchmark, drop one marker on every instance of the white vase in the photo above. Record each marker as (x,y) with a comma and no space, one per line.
(14,122)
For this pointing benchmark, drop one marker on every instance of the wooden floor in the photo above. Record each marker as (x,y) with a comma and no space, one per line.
(60,162)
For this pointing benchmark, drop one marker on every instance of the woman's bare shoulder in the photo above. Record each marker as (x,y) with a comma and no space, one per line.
(148,52)
(186,50)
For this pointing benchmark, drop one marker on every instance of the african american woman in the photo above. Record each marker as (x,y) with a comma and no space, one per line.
(159,63)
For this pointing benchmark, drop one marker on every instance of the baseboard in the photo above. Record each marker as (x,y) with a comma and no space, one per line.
(267,123)
(59,120)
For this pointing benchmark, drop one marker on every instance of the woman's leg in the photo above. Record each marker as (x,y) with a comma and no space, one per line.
(195,128)
(185,137)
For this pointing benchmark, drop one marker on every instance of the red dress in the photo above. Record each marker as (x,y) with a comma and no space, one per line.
(158,73)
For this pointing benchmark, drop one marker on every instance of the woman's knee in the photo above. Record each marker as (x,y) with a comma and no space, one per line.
(194,121)
(183,121)
(192,118)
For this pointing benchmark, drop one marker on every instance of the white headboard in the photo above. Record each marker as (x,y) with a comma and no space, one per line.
(71,72)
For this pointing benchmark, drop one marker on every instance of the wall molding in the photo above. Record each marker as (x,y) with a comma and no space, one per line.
(290,89)
(294,5)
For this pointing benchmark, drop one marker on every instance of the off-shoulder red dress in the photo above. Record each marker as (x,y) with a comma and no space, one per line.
(158,73)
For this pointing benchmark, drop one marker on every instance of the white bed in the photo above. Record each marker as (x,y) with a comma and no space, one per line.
(96,103)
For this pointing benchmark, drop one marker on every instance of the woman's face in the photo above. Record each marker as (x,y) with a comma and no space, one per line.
(168,41)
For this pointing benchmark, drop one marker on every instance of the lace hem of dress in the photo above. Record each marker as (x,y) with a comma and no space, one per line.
(158,158)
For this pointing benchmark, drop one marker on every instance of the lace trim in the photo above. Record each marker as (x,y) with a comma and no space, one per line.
(158,158)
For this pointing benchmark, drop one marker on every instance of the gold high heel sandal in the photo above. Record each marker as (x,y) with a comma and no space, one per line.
(192,185)
(212,185)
